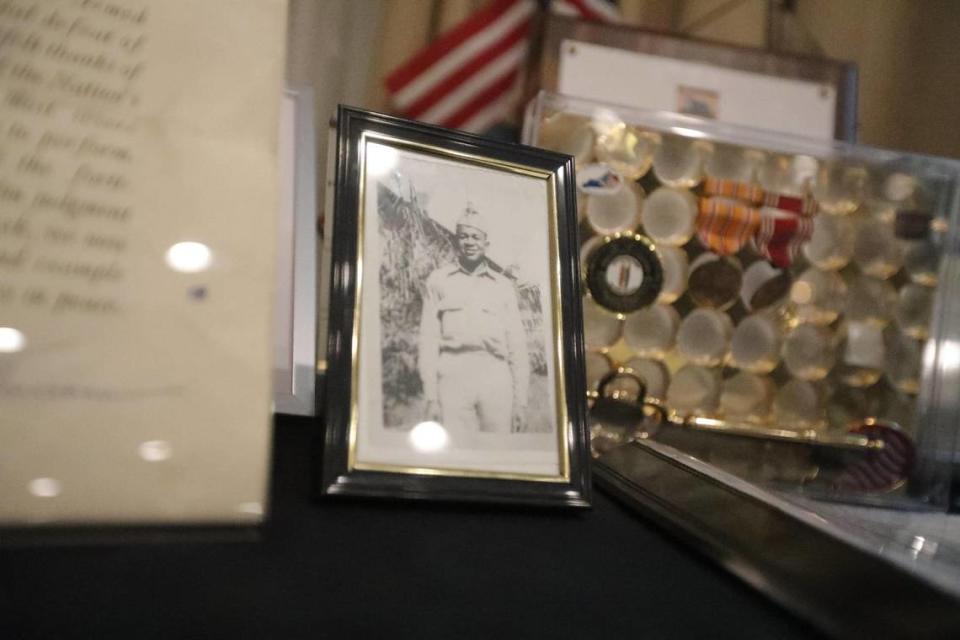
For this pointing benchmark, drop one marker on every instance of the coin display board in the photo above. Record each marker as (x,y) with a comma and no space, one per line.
(789,290)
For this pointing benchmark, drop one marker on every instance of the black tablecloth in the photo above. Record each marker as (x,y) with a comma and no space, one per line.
(369,569)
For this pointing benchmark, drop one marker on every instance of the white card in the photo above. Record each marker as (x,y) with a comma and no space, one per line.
(619,76)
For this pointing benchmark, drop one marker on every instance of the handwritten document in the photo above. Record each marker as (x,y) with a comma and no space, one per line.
(138,199)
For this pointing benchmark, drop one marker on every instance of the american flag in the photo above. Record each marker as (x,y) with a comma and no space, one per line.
(469,78)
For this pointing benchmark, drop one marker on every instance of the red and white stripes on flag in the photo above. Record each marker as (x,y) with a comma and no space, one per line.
(469,78)
(599,10)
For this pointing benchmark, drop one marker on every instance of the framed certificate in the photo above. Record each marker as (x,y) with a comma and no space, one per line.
(137,264)
(454,360)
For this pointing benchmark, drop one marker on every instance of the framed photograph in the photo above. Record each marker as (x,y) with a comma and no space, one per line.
(801,95)
(455,356)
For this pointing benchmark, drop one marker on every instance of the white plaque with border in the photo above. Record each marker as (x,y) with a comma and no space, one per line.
(138,199)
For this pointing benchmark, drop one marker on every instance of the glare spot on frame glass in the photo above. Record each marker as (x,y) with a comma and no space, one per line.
(45,487)
(251,508)
(189,257)
(155,450)
(428,437)
(380,159)
(688,132)
(11,340)
(949,354)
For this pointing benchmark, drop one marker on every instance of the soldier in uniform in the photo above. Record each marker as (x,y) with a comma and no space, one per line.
(473,356)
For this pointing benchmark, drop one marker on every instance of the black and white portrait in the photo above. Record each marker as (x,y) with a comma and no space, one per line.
(457,319)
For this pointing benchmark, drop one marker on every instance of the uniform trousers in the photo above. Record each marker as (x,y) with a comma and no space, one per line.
(476,394)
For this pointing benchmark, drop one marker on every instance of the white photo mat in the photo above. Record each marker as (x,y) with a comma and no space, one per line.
(517,209)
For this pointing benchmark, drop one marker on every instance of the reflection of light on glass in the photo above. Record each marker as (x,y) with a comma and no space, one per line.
(801,293)
(380,159)
(11,340)
(949,355)
(44,487)
(155,450)
(917,545)
(688,132)
(251,508)
(428,437)
(604,121)
(804,169)
(189,257)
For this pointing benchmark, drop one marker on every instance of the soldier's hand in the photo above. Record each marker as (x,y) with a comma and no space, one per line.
(518,419)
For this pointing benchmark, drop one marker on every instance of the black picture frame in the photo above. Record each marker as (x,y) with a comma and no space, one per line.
(342,470)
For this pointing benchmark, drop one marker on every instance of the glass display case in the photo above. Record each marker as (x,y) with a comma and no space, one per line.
(772,309)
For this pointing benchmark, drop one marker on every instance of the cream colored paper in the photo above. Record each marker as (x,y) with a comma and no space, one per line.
(141,394)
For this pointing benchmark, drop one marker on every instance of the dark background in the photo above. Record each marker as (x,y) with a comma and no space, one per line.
(369,569)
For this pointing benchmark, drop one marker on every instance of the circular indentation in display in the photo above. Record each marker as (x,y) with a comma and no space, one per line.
(876,249)
(746,396)
(831,245)
(650,332)
(675,267)
(808,352)
(840,188)
(669,216)
(903,358)
(755,345)
(798,405)
(899,187)
(728,162)
(787,174)
(694,390)
(678,162)
(615,212)
(654,374)
(869,299)
(714,281)
(764,285)
(704,337)
(819,296)
(627,149)
(569,134)
(921,260)
(913,310)
(608,256)
(861,354)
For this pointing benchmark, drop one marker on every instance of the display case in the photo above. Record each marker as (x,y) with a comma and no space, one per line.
(806,95)
(777,313)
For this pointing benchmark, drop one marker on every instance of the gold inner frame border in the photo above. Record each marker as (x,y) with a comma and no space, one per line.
(565,428)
